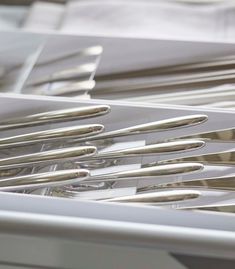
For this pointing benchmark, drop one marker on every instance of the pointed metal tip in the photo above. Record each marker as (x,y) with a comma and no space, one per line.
(191,167)
(89,150)
(96,128)
(200,118)
(186,144)
(194,144)
(82,173)
(105,108)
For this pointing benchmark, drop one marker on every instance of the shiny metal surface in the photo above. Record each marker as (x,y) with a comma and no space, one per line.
(62,115)
(158,197)
(210,64)
(161,148)
(47,157)
(55,178)
(153,171)
(169,81)
(51,135)
(92,194)
(208,198)
(157,126)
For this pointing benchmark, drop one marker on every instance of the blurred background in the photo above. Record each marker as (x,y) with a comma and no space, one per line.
(185,19)
(157,51)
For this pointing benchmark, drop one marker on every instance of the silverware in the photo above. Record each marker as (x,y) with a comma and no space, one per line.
(207,198)
(106,158)
(47,157)
(181,198)
(55,116)
(91,194)
(210,64)
(55,178)
(156,126)
(169,81)
(184,198)
(126,195)
(197,97)
(148,172)
(158,197)
(160,148)
(51,135)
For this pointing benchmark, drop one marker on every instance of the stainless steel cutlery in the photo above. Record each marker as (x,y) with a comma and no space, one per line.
(47,157)
(207,82)
(156,126)
(152,149)
(158,197)
(47,179)
(54,116)
(148,172)
(51,135)
(83,161)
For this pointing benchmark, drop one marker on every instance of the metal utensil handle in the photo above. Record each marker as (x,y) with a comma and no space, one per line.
(148,172)
(157,126)
(160,148)
(51,135)
(158,197)
(55,178)
(63,115)
(47,157)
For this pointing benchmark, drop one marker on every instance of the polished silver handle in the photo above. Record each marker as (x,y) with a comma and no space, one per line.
(177,80)
(51,135)
(157,126)
(161,148)
(47,157)
(55,116)
(148,172)
(175,69)
(208,198)
(56,178)
(158,197)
